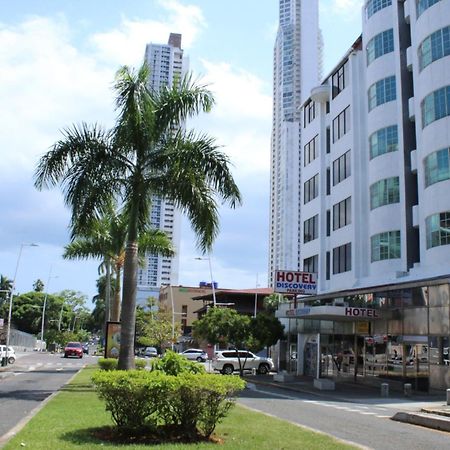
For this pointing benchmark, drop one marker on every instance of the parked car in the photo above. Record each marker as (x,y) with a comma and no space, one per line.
(195,354)
(73,349)
(151,352)
(11,354)
(226,362)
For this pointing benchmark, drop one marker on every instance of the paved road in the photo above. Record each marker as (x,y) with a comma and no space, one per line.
(31,380)
(365,423)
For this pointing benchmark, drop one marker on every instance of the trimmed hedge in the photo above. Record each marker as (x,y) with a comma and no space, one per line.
(111,363)
(173,364)
(187,405)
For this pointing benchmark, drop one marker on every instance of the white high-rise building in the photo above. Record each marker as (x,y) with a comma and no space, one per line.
(167,65)
(296,69)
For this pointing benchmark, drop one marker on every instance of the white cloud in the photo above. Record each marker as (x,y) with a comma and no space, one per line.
(346,9)
(126,44)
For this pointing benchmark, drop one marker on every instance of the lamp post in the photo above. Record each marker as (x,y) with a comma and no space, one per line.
(256,295)
(45,304)
(211,275)
(11,295)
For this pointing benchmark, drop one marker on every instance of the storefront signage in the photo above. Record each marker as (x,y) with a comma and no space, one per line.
(289,282)
(331,312)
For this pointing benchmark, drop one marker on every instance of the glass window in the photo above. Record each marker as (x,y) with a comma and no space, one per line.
(438,229)
(435,106)
(311,229)
(383,141)
(373,6)
(311,189)
(437,166)
(342,258)
(439,320)
(384,192)
(341,168)
(382,91)
(422,5)
(309,113)
(439,295)
(339,79)
(310,150)
(380,45)
(342,214)
(434,47)
(341,124)
(311,264)
(385,246)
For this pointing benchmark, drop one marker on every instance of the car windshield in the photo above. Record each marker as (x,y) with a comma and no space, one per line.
(74,344)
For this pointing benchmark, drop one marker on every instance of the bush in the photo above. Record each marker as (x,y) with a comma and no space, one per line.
(188,405)
(175,364)
(107,363)
(140,364)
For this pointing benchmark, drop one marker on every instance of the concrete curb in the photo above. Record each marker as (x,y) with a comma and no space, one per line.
(433,421)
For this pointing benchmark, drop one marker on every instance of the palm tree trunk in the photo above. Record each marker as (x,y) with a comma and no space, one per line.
(115,310)
(128,323)
(108,291)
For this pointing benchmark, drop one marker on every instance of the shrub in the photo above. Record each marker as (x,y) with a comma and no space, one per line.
(107,363)
(140,364)
(187,405)
(175,364)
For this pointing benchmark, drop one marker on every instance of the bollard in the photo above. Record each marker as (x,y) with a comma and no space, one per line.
(385,389)
(448,396)
(407,389)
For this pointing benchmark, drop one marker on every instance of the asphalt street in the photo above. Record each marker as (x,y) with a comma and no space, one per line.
(366,424)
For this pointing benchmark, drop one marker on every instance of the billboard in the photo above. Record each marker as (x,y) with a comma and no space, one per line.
(290,282)
(112,344)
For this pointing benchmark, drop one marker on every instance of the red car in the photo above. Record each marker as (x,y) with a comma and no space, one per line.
(73,349)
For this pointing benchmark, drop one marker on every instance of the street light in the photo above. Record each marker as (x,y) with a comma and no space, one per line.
(11,295)
(211,275)
(256,295)
(45,304)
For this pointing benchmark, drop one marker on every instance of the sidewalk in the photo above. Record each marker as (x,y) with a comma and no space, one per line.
(428,410)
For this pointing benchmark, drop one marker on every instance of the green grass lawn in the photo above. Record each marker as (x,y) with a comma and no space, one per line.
(67,422)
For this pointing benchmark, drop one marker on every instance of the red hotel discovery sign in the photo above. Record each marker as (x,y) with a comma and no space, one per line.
(290,282)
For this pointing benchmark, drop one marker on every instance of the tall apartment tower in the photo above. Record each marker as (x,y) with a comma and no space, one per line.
(297,59)
(167,65)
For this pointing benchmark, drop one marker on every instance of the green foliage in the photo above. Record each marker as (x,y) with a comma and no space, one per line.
(186,405)
(174,364)
(266,330)
(38,285)
(140,364)
(107,363)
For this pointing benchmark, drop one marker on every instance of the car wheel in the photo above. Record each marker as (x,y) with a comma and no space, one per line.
(228,369)
(263,369)
(65,356)
(11,360)
(200,359)
(81,356)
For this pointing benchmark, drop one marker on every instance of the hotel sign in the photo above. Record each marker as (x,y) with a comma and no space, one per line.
(334,312)
(289,282)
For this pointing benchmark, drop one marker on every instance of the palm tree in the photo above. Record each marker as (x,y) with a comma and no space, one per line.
(147,153)
(106,238)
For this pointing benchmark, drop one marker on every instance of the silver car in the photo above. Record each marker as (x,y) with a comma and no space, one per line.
(195,354)
(11,354)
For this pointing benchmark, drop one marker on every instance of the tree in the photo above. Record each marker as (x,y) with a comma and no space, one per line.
(227,327)
(266,330)
(148,152)
(5,289)
(38,285)
(106,238)
(272,301)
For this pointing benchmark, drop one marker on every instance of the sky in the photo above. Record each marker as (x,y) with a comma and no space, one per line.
(57,65)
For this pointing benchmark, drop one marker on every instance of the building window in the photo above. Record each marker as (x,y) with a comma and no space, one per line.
(384,192)
(339,79)
(437,167)
(374,6)
(328,138)
(434,47)
(328,181)
(310,150)
(311,264)
(438,229)
(382,91)
(385,246)
(380,45)
(328,222)
(341,168)
(342,258)
(311,189)
(311,229)
(383,141)
(422,5)
(328,263)
(341,124)
(342,213)
(309,113)
(435,106)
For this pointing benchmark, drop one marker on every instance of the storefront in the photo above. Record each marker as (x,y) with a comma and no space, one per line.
(399,333)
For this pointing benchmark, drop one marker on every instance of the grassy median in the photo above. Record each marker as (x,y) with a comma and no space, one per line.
(73,418)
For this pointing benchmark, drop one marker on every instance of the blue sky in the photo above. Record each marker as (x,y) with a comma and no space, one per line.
(57,64)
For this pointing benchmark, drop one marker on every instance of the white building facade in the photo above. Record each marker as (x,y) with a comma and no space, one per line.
(375,203)
(297,61)
(167,64)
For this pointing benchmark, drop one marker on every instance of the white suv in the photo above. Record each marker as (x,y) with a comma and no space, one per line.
(11,354)
(226,362)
